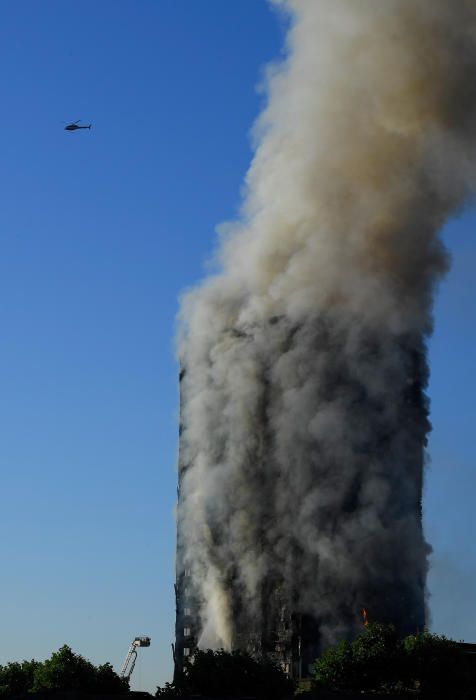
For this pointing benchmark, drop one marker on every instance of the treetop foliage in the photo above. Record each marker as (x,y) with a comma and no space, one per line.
(425,664)
(222,674)
(64,670)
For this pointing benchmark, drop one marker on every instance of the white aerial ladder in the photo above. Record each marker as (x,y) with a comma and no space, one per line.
(131,658)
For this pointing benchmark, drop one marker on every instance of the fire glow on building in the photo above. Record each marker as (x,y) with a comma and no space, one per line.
(304,416)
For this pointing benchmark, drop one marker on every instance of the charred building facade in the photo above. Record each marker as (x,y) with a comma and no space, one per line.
(339,533)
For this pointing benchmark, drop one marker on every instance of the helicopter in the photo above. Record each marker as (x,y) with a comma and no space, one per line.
(74,125)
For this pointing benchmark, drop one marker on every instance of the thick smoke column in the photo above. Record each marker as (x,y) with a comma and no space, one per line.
(304,417)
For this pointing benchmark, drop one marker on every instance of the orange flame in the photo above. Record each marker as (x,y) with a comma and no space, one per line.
(365,617)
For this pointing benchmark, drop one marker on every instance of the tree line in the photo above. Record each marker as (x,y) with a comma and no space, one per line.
(421,666)
(63,671)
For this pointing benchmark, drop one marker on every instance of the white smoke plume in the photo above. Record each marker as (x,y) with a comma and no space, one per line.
(304,417)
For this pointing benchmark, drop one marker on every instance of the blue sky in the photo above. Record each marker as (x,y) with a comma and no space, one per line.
(100,232)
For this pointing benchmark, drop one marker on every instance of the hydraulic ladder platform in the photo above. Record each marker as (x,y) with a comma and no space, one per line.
(131,658)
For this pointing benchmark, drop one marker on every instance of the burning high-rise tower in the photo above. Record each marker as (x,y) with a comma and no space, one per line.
(303,408)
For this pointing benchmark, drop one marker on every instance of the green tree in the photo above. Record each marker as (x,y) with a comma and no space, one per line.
(65,670)
(436,665)
(16,678)
(427,664)
(230,674)
(370,662)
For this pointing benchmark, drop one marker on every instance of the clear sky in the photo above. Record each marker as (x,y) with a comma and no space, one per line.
(100,231)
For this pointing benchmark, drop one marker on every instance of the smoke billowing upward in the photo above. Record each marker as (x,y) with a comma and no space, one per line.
(304,417)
